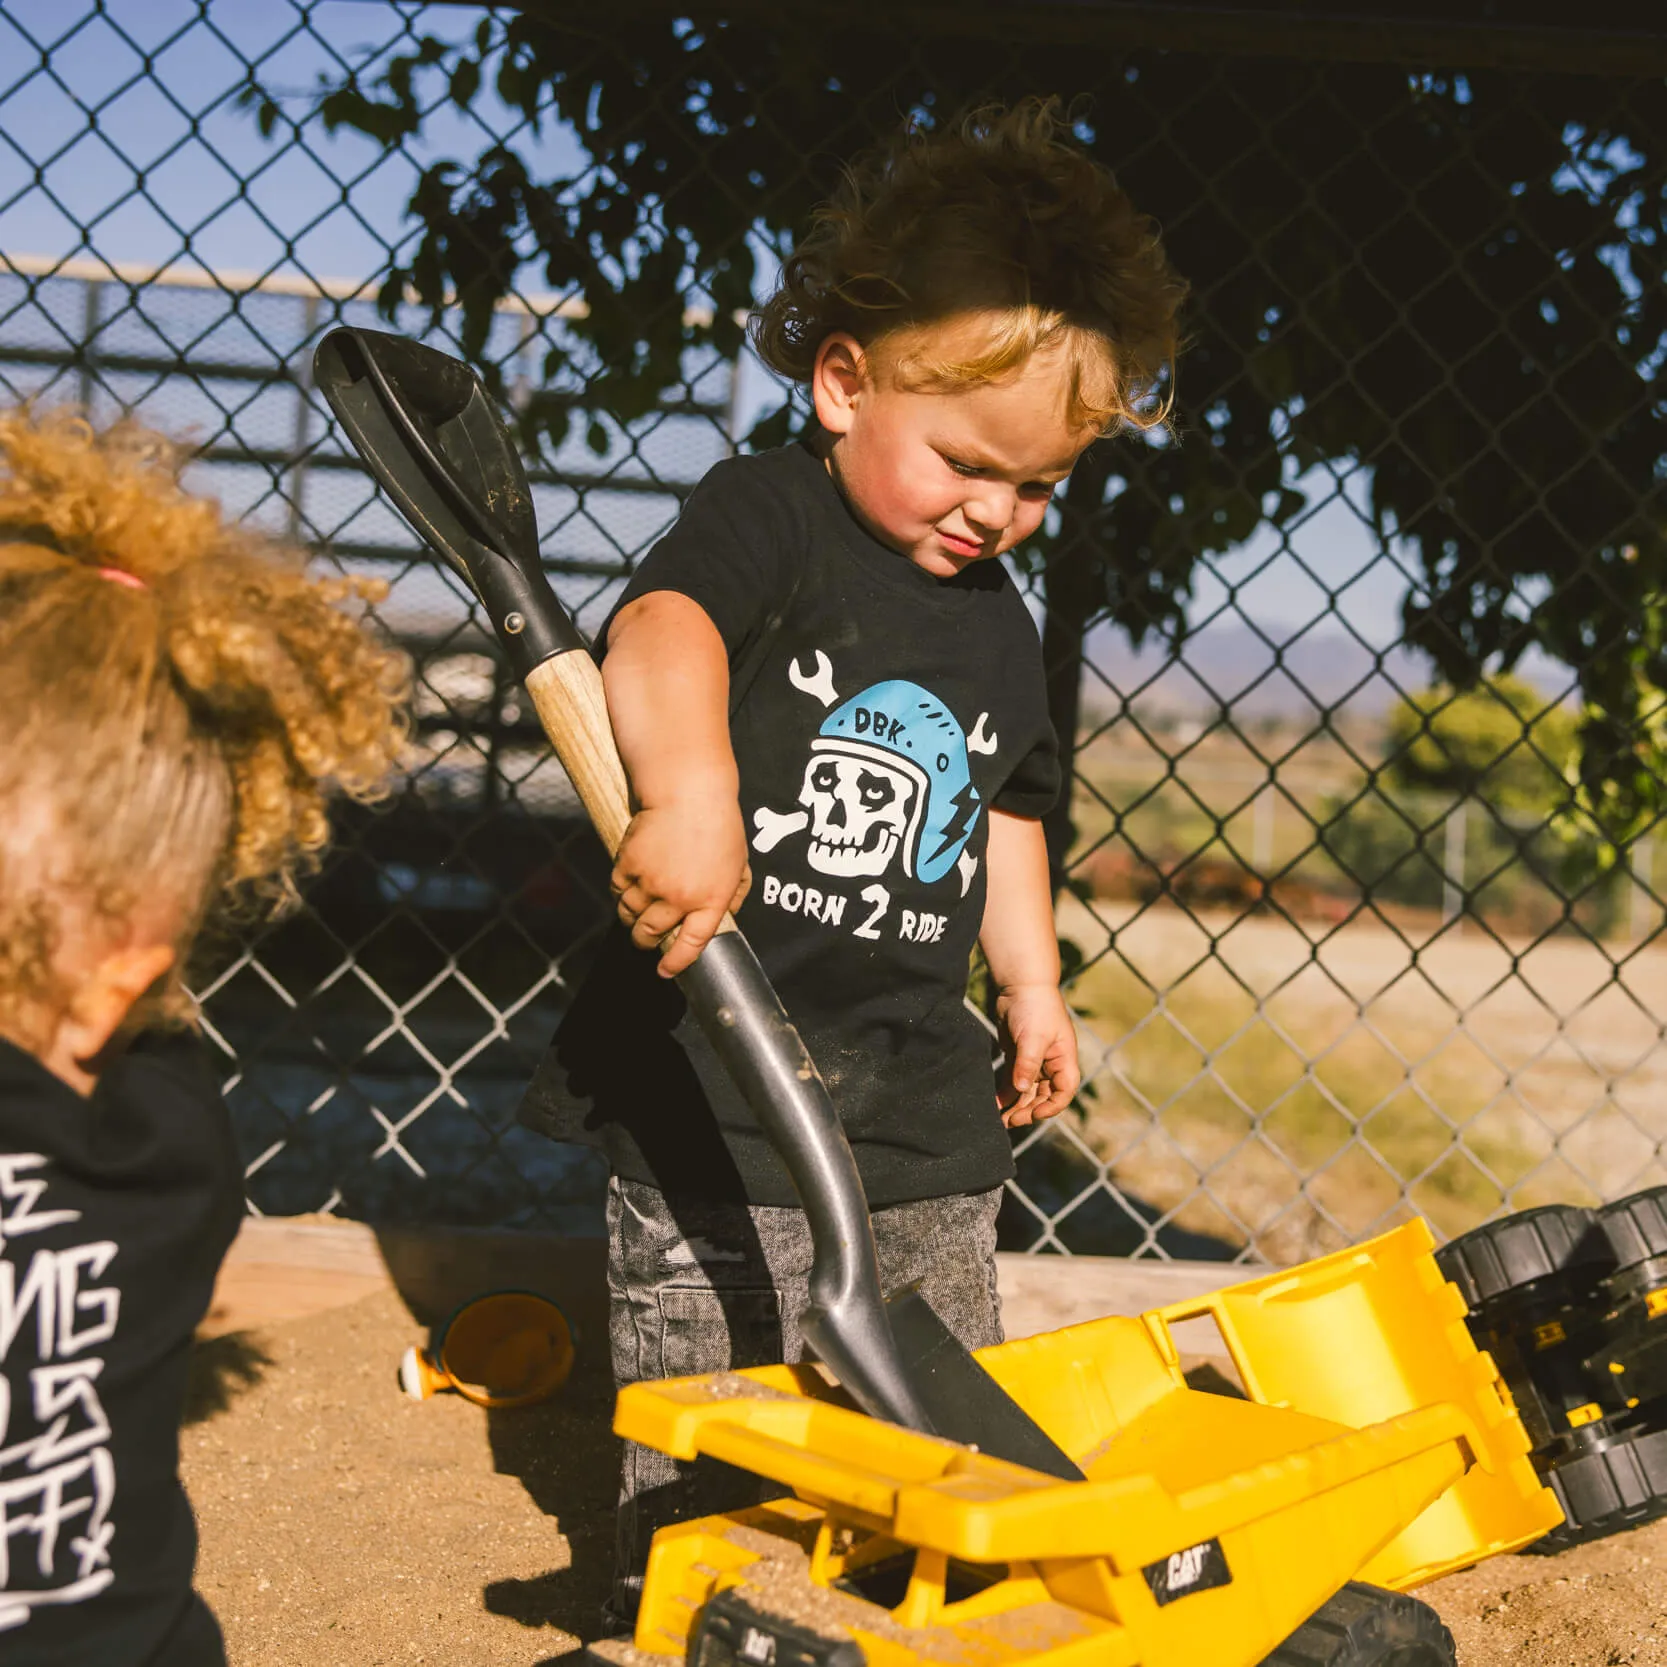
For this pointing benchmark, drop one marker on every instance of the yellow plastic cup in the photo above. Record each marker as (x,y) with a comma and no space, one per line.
(506,1349)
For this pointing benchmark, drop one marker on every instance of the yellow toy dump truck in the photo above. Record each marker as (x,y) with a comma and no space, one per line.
(1374,1444)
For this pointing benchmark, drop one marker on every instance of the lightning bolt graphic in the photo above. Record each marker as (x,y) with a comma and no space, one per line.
(966,802)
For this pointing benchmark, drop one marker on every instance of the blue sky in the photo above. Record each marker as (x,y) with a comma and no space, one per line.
(181,127)
(99,158)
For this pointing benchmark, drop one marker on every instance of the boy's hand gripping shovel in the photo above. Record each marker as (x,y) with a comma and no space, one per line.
(430,434)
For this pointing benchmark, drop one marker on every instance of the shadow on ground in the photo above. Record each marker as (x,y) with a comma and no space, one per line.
(222,1368)
(1089,1215)
(573,1477)
(561,1451)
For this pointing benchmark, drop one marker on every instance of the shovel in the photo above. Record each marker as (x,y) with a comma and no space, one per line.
(431,436)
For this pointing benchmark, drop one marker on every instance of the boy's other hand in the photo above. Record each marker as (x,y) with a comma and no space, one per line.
(1040,1044)
(680,868)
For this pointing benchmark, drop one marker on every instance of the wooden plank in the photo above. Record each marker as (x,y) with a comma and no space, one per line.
(284,1268)
(1043,1293)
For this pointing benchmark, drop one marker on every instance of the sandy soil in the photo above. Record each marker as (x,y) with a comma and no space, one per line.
(1602,1605)
(344,1526)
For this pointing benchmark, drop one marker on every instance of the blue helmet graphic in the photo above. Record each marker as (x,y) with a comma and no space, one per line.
(907,728)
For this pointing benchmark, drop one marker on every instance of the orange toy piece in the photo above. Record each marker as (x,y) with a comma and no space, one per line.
(507,1349)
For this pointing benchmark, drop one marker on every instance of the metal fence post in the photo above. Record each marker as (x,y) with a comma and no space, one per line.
(1452,861)
(1645,916)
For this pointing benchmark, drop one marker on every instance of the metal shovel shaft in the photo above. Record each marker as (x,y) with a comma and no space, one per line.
(846,1322)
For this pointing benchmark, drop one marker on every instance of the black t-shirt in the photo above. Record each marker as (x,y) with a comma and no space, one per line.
(877,713)
(115,1213)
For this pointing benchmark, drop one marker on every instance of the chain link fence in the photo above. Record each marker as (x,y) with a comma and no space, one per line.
(1351,936)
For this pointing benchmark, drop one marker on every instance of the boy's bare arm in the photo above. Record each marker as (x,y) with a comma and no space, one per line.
(1022,951)
(683,860)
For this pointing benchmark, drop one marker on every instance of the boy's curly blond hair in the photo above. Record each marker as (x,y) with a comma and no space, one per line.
(179,698)
(997,215)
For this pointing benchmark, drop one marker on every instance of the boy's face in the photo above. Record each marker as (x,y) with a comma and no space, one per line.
(946,479)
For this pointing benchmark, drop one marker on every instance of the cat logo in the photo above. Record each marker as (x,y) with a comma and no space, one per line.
(758,1647)
(1198,1568)
(1185,1567)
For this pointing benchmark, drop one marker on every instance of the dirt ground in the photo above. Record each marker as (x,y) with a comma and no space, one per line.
(1602,1605)
(345,1526)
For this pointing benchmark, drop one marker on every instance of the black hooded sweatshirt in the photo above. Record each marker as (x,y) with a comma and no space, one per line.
(116,1211)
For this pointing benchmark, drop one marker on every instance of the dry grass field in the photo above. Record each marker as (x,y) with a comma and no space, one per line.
(1295,1086)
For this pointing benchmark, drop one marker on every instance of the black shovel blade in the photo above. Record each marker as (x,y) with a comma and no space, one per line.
(428,431)
(962,1398)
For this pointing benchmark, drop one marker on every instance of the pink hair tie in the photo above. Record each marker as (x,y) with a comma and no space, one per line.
(117,577)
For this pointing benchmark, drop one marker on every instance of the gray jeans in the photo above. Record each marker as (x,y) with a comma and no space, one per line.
(696,1287)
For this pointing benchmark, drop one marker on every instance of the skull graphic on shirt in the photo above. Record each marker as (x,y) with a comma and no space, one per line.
(859,813)
(888,781)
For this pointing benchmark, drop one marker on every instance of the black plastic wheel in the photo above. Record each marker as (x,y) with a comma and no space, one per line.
(1619,1485)
(1572,1305)
(1365,1626)
(1503,1256)
(1636,1227)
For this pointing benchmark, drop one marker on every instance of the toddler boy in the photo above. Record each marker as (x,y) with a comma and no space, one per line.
(828,696)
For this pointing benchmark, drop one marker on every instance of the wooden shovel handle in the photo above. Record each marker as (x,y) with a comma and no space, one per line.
(568,696)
